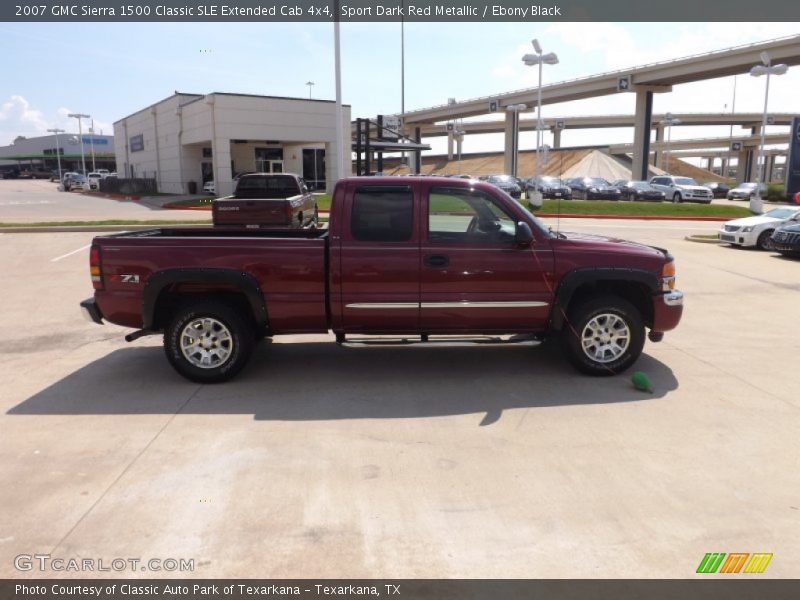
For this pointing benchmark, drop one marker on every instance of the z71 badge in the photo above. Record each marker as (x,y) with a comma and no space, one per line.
(128,278)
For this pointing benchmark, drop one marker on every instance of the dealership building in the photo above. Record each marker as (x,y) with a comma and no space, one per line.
(41,153)
(186,140)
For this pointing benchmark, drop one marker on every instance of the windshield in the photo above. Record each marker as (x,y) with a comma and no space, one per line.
(748,186)
(641,185)
(685,181)
(500,179)
(595,181)
(780,213)
(550,180)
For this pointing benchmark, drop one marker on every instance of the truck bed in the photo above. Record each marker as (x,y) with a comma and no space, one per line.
(289,267)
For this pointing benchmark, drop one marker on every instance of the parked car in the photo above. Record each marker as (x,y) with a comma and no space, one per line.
(11,174)
(638,190)
(267,200)
(682,189)
(593,188)
(93,180)
(507,183)
(54,175)
(718,190)
(78,182)
(66,179)
(786,239)
(391,262)
(745,191)
(209,187)
(757,230)
(550,187)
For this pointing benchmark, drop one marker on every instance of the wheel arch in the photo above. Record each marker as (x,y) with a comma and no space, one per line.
(163,288)
(635,285)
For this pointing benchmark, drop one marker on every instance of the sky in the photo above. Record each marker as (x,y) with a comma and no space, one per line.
(114,69)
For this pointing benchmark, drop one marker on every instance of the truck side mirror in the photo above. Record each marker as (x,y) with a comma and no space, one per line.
(523,235)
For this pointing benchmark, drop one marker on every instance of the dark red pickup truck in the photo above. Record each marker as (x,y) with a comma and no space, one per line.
(402,256)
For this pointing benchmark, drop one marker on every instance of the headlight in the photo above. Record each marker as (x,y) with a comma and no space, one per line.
(747,229)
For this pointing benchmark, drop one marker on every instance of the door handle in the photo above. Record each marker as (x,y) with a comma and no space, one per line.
(436,260)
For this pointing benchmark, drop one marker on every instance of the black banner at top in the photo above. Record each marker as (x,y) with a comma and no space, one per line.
(396,10)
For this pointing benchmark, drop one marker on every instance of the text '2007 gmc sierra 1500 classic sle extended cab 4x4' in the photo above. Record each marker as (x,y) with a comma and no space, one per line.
(402,256)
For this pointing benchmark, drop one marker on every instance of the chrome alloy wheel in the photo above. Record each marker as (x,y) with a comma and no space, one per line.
(206,343)
(605,338)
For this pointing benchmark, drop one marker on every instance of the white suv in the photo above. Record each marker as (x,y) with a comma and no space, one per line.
(682,189)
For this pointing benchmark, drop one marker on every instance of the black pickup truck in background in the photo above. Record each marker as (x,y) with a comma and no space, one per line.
(269,201)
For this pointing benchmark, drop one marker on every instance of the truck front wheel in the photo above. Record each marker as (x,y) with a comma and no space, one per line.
(604,335)
(208,342)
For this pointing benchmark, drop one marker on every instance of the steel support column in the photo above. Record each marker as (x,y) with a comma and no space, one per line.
(641,134)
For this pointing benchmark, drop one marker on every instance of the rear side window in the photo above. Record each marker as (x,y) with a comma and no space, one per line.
(382,214)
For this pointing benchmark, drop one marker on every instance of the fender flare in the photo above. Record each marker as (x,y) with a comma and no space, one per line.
(243,282)
(572,280)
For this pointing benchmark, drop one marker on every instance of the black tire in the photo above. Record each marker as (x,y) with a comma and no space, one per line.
(579,320)
(765,240)
(239,349)
(676,198)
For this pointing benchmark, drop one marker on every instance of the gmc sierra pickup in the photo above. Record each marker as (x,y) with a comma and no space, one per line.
(267,200)
(402,256)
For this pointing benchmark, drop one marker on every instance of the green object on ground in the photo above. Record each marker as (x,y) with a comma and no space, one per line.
(642,382)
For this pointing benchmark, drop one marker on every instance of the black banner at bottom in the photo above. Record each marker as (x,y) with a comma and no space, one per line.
(405,589)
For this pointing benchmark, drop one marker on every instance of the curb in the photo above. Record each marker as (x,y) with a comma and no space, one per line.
(120,197)
(634,217)
(701,240)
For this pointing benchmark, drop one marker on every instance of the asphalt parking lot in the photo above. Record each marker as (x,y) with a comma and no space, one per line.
(319,461)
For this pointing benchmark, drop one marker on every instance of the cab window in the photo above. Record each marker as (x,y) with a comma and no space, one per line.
(462,215)
(382,214)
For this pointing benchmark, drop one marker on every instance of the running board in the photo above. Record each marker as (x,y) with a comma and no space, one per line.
(441,341)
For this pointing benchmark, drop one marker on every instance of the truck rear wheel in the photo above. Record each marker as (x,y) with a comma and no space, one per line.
(604,335)
(208,342)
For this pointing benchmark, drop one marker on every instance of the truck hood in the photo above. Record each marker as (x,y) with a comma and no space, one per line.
(694,188)
(602,243)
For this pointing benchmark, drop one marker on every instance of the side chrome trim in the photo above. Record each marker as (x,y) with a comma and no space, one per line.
(380,305)
(463,304)
(468,304)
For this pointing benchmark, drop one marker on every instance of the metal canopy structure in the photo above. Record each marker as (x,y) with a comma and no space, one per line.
(372,137)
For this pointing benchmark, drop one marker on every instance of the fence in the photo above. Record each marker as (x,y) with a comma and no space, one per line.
(116,185)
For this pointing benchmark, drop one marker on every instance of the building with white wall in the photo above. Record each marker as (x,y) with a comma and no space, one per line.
(188,139)
(41,153)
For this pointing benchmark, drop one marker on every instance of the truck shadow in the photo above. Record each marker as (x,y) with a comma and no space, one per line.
(321,381)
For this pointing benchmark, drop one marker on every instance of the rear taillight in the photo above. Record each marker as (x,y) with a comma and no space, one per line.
(95,269)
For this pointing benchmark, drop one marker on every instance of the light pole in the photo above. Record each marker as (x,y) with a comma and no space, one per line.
(80,116)
(669,121)
(56,130)
(514,110)
(730,134)
(310,84)
(530,60)
(767,68)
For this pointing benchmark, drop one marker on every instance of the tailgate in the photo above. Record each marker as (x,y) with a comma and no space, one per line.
(251,213)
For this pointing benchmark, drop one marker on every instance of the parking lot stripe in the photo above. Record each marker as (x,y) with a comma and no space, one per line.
(57,258)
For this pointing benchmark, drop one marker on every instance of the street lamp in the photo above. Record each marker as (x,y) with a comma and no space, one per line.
(530,60)
(80,116)
(514,110)
(56,130)
(310,84)
(669,121)
(767,68)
